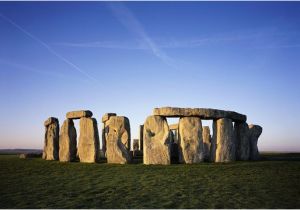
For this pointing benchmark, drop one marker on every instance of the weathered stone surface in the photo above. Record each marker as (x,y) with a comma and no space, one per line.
(241,135)
(156,141)
(213,145)
(173,126)
(79,114)
(225,151)
(122,126)
(106,116)
(50,120)
(135,144)
(88,146)
(104,137)
(206,142)
(203,113)
(141,132)
(51,142)
(190,140)
(254,133)
(67,141)
(118,140)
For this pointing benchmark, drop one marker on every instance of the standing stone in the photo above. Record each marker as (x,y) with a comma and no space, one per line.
(241,135)
(156,141)
(67,141)
(104,132)
(206,142)
(190,140)
(135,145)
(141,131)
(213,145)
(225,151)
(118,140)
(88,147)
(51,142)
(255,131)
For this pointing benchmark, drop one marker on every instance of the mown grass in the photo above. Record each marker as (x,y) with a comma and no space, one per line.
(35,183)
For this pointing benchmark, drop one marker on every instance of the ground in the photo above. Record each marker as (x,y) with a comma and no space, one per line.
(36,183)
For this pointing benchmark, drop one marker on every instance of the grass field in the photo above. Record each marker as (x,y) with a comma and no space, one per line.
(35,183)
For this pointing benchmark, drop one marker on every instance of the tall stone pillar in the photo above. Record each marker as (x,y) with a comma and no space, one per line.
(213,145)
(51,141)
(190,140)
(88,146)
(141,131)
(206,142)
(255,132)
(67,141)
(156,141)
(118,140)
(225,151)
(241,135)
(104,132)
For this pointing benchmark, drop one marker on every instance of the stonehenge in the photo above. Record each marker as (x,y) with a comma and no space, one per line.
(51,140)
(185,142)
(118,140)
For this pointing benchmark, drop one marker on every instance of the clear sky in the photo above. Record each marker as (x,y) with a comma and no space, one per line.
(130,57)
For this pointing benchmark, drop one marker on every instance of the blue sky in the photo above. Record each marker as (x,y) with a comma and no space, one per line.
(130,57)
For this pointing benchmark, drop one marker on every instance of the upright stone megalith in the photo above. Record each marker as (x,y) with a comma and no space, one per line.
(67,141)
(213,145)
(190,140)
(225,150)
(241,135)
(255,131)
(118,140)
(104,132)
(206,142)
(51,142)
(88,146)
(156,141)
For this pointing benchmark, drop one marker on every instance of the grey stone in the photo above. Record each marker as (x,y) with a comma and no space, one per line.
(51,142)
(241,135)
(67,141)
(255,132)
(206,142)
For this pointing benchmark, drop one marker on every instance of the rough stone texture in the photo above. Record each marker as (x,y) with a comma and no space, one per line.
(88,146)
(225,151)
(106,116)
(104,137)
(50,120)
(67,141)
(141,132)
(203,113)
(135,145)
(51,142)
(118,140)
(156,141)
(241,135)
(206,142)
(173,126)
(122,126)
(254,133)
(213,145)
(190,140)
(79,114)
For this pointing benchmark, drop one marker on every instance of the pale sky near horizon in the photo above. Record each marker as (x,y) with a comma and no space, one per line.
(130,57)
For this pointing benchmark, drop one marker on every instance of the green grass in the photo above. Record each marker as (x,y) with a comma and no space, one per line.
(36,183)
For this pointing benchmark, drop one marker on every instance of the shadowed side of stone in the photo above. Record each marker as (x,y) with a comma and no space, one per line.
(206,142)
(51,142)
(190,140)
(67,141)
(241,135)
(255,131)
(88,146)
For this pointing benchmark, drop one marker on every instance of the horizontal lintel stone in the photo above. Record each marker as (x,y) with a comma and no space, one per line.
(79,114)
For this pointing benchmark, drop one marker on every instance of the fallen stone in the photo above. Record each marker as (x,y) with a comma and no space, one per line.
(225,151)
(79,114)
(206,142)
(51,142)
(88,146)
(156,141)
(254,133)
(203,113)
(190,140)
(241,135)
(67,142)
(106,116)
(30,155)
